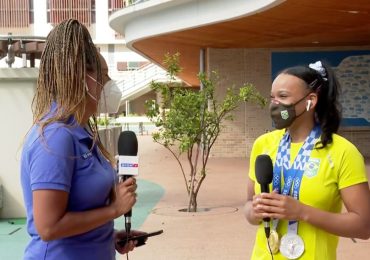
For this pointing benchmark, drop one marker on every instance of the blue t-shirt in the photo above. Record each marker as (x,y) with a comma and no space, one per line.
(62,159)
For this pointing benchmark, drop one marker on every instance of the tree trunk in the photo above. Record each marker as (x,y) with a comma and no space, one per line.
(192,207)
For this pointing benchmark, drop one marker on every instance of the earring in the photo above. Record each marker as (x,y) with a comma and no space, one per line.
(308,105)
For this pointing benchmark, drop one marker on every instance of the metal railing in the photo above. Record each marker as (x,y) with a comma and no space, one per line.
(20,46)
(134,2)
(140,80)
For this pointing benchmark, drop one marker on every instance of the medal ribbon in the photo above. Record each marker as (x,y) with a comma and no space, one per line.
(292,175)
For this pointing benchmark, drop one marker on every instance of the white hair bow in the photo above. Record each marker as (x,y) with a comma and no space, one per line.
(319,68)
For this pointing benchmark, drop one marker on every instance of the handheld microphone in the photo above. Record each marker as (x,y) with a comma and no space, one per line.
(264,174)
(128,164)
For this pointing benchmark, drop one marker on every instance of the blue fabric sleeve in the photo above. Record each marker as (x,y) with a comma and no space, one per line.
(52,160)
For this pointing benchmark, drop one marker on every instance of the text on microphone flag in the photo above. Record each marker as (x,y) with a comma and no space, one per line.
(130,165)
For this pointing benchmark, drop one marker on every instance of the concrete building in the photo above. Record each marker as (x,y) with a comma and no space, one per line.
(36,18)
(249,41)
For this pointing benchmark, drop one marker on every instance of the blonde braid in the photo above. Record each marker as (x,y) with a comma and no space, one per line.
(68,53)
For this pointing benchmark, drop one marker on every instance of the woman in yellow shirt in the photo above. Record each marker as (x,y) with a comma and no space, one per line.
(314,172)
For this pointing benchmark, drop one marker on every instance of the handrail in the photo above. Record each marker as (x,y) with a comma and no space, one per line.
(142,75)
(133,2)
(140,79)
(22,37)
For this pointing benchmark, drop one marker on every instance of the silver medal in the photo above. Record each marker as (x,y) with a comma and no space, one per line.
(291,246)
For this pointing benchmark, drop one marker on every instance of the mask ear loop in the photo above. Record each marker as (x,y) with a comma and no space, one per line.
(308,105)
(88,93)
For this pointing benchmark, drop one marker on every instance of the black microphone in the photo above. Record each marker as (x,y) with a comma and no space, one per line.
(264,174)
(127,164)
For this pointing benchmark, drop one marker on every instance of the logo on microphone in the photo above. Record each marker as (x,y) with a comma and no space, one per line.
(129,165)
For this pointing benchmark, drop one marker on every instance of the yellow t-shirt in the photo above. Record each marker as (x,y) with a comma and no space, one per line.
(328,170)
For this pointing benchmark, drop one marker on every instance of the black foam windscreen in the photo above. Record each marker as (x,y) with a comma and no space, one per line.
(264,169)
(127,143)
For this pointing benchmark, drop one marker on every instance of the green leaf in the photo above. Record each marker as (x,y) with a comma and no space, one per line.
(187,117)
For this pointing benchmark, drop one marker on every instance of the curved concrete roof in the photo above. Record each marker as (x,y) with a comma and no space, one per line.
(171,16)
(156,27)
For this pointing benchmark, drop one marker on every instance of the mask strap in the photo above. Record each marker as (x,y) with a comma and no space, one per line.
(88,93)
(301,99)
(91,77)
(101,85)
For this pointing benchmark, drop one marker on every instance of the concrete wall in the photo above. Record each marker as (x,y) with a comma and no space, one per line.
(137,106)
(239,66)
(359,137)
(17,88)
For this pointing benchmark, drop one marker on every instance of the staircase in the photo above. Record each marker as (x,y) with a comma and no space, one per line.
(138,83)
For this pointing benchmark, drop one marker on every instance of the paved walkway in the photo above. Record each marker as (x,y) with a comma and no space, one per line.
(219,234)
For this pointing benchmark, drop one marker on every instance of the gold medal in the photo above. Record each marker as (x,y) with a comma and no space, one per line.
(273,241)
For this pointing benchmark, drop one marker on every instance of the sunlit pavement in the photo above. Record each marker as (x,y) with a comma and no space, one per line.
(218,232)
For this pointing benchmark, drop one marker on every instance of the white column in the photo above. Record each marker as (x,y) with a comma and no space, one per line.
(127,107)
(104,33)
(24,60)
(41,27)
(17,88)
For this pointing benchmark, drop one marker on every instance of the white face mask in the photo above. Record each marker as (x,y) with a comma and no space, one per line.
(110,98)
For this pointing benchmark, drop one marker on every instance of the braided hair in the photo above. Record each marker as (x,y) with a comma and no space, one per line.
(68,54)
(320,78)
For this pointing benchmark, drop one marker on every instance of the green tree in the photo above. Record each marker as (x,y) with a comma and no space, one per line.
(190,121)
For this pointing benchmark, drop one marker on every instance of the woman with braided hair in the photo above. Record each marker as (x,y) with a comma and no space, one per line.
(68,178)
(314,171)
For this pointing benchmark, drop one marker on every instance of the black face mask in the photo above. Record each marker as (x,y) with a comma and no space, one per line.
(283,115)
